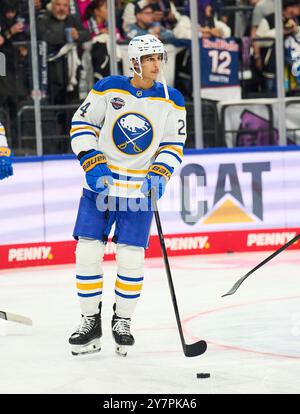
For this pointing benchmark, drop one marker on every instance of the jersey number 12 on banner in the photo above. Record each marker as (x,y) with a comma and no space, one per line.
(221,61)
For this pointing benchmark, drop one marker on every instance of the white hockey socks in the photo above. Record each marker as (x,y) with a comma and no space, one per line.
(129,282)
(89,274)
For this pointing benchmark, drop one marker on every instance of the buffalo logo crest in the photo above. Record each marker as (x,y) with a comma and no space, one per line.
(132,133)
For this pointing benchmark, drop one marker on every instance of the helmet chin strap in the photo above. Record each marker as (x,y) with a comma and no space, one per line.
(164,82)
(139,74)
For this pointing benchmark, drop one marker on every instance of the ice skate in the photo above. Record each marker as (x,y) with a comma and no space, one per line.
(121,334)
(86,339)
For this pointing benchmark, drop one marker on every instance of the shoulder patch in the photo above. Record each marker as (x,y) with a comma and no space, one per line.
(117,103)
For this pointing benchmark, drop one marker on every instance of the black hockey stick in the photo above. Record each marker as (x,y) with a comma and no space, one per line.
(241,280)
(190,350)
(13,317)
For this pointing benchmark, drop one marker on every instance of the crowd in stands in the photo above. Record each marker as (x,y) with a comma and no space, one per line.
(76,34)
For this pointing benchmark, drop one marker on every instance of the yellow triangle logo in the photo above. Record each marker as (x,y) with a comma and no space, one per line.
(228,212)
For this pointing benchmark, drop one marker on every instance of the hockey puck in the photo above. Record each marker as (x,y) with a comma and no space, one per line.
(203,375)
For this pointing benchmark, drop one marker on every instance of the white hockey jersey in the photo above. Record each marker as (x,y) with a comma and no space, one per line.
(132,127)
(3,140)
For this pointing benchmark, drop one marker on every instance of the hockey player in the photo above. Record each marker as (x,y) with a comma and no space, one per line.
(6,168)
(128,136)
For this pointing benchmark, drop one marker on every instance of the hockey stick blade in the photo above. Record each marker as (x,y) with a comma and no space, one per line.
(241,280)
(236,286)
(13,317)
(196,349)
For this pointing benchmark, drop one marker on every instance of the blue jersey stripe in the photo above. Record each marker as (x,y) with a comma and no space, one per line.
(83,133)
(131,279)
(127,296)
(171,143)
(89,295)
(89,277)
(171,153)
(84,123)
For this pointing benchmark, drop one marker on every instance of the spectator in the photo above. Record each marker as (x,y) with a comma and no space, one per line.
(145,23)
(63,32)
(96,19)
(24,10)
(266,29)
(82,6)
(96,22)
(13,25)
(14,86)
(164,12)
(39,4)
(209,25)
(261,9)
(237,20)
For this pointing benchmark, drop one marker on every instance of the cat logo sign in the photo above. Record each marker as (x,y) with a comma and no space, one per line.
(231,201)
(228,210)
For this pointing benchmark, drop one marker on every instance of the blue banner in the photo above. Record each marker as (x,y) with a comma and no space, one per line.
(219,63)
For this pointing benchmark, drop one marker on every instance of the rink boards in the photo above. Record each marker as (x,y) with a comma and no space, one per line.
(219,201)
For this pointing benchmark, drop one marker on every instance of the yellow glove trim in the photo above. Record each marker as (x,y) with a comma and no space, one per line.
(5,152)
(161,170)
(93,161)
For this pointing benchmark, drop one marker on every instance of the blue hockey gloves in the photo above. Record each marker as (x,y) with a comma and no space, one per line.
(156,179)
(6,168)
(98,175)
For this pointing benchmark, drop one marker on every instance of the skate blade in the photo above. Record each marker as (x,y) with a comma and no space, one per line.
(90,348)
(121,350)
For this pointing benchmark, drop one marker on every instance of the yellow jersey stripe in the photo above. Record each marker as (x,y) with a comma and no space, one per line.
(123,185)
(178,150)
(110,90)
(114,167)
(181,108)
(130,288)
(89,286)
(84,127)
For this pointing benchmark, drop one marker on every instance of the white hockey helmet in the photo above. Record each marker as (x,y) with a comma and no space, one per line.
(144,45)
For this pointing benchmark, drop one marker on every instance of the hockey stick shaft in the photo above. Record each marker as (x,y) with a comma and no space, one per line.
(189,350)
(243,278)
(167,267)
(14,317)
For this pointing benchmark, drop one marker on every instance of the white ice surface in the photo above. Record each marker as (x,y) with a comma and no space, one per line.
(253,337)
